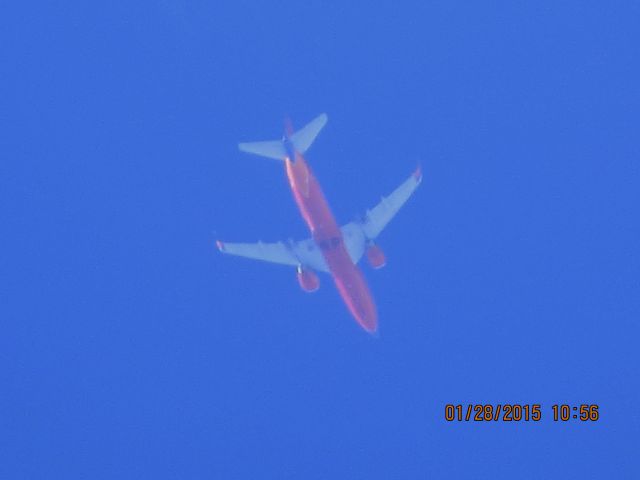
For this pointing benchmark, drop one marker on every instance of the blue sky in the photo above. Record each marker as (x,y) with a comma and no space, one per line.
(132,349)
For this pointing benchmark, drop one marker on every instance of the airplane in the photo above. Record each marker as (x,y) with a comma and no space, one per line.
(331,249)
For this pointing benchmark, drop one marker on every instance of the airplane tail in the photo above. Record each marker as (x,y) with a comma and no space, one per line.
(300,141)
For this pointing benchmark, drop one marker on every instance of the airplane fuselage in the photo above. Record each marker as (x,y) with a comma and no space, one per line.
(328,237)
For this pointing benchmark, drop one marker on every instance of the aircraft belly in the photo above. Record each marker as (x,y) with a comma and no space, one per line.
(325,232)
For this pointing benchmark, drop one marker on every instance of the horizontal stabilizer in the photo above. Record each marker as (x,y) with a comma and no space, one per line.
(300,140)
(273,149)
(303,138)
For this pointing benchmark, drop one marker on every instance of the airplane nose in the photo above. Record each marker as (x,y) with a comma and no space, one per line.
(368,319)
(356,295)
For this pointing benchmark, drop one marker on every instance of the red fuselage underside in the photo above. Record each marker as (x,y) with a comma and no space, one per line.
(325,231)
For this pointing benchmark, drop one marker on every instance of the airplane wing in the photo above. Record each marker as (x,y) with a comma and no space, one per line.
(354,240)
(357,234)
(292,253)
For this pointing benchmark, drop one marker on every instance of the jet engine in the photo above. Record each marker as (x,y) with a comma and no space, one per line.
(375,257)
(308,280)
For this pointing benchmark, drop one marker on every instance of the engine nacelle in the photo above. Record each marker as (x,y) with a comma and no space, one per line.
(376,257)
(308,280)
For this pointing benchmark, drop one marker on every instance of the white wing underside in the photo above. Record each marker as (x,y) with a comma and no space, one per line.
(359,233)
(379,216)
(356,235)
(292,253)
